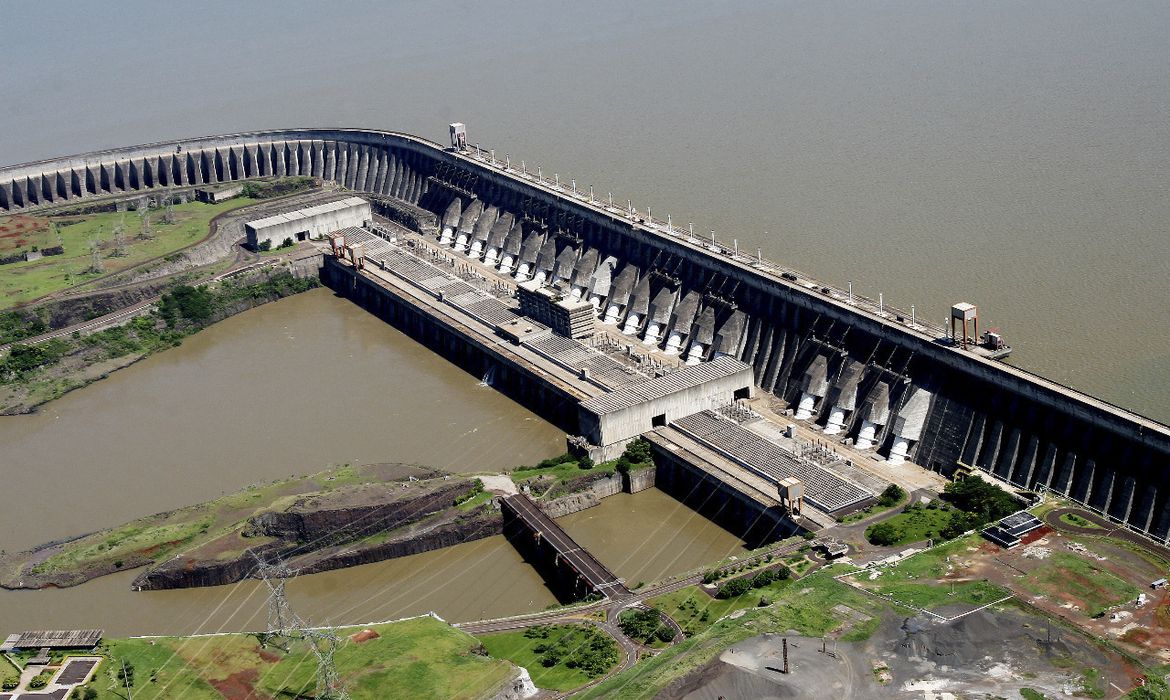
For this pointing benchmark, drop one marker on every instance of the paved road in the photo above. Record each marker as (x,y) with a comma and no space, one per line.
(584,563)
(1105,529)
(612,608)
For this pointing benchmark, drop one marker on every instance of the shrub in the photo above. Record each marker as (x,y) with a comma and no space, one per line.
(264,246)
(10,682)
(622,465)
(638,451)
(734,588)
(555,461)
(585,462)
(764,602)
(287,243)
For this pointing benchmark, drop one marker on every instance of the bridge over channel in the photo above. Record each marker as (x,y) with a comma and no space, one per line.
(533,532)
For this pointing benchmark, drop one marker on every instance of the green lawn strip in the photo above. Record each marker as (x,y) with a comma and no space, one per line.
(916,524)
(528,648)
(139,537)
(805,606)
(418,658)
(564,471)
(1099,588)
(695,611)
(872,510)
(25,281)
(1077,521)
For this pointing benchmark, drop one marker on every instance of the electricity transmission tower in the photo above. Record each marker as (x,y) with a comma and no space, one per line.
(119,238)
(324,643)
(283,622)
(96,264)
(144,213)
(281,619)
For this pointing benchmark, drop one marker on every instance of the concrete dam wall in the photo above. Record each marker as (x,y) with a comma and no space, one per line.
(873,378)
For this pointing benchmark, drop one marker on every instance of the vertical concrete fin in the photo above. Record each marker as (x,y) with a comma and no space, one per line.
(330,171)
(363,170)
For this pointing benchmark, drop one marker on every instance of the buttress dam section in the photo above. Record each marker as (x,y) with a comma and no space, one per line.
(866,376)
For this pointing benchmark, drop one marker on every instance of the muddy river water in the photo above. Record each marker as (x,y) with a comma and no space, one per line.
(291,388)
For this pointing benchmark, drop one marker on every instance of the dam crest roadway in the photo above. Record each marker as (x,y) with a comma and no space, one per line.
(567,300)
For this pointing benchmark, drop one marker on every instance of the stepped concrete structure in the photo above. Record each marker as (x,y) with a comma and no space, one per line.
(866,374)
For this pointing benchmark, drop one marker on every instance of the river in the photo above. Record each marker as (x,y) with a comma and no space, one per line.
(1011,154)
(290,388)
(1014,155)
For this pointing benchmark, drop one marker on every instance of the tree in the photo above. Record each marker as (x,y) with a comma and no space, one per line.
(983,498)
(891,496)
(885,534)
(959,523)
(186,302)
(734,588)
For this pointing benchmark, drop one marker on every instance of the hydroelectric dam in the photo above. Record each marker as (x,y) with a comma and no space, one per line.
(745,376)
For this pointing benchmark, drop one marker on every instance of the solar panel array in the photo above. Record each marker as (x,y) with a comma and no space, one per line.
(824,489)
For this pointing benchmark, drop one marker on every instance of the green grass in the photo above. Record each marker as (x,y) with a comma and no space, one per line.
(1077,521)
(807,601)
(564,472)
(918,580)
(522,651)
(25,281)
(1098,588)
(918,524)
(419,658)
(125,542)
(805,606)
(1031,694)
(871,511)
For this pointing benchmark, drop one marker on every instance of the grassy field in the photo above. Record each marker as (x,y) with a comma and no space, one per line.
(919,580)
(917,524)
(521,648)
(419,658)
(25,281)
(805,600)
(811,606)
(1066,575)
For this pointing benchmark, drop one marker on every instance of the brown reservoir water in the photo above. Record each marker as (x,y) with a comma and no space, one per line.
(290,388)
